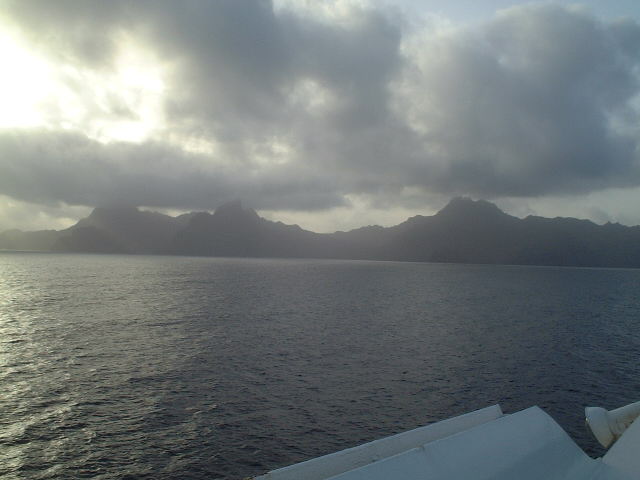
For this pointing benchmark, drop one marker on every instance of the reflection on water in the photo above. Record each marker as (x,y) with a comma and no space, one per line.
(162,367)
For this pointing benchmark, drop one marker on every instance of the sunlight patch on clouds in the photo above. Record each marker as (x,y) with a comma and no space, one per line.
(24,84)
(125,104)
(138,87)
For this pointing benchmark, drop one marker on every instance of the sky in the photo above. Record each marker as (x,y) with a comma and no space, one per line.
(330,114)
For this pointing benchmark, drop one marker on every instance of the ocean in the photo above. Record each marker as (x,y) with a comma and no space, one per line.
(152,367)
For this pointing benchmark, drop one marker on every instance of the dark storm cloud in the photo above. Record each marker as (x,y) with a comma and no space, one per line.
(528,104)
(50,167)
(539,100)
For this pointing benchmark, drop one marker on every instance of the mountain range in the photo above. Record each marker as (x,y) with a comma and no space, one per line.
(465,231)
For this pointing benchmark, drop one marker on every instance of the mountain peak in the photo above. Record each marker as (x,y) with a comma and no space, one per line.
(234,209)
(467,207)
(114,210)
(466,230)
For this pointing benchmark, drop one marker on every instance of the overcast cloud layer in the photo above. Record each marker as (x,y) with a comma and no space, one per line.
(303,108)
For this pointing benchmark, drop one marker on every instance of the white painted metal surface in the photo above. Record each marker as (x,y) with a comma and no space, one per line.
(329,465)
(608,426)
(527,445)
(625,453)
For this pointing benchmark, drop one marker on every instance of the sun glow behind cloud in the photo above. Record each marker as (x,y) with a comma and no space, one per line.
(24,84)
(122,104)
(130,98)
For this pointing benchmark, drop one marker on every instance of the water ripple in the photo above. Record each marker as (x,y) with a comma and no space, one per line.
(159,368)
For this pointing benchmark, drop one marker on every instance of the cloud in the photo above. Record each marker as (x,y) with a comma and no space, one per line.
(52,167)
(304,108)
(25,216)
(539,100)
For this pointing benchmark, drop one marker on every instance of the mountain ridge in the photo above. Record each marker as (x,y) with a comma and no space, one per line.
(464,231)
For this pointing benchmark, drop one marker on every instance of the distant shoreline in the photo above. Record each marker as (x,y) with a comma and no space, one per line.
(464,232)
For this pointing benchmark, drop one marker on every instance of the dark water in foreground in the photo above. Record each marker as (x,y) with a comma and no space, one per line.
(116,367)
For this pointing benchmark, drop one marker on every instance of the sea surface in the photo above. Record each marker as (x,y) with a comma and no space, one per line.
(150,367)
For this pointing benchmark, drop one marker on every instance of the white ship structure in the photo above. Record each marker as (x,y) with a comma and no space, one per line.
(487,444)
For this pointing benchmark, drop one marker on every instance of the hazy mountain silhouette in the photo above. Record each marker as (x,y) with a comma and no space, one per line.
(122,230)
(465,231)
(41,240)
